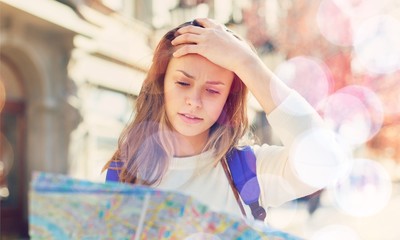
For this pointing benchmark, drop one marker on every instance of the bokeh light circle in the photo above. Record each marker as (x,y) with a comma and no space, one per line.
(365,191)
(308,76)
(390,95)
(355,113)
(335,23)
(335,232)
(318,157)
(250,190)
(152,147)
(377,44)
(338,19)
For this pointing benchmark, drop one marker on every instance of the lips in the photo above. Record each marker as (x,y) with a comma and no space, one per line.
(188,118)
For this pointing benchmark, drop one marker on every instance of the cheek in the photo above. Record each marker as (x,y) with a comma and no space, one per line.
(169,104)
(170,95)
(215,108)
(168,101)
(167,91)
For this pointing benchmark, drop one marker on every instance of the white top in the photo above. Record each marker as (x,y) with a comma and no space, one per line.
(279,183)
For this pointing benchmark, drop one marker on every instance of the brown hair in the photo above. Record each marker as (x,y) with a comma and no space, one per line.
(144,146)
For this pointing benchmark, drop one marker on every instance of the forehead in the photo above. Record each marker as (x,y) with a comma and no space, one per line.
(198,66)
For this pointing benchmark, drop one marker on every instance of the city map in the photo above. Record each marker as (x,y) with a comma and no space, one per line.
(61,207)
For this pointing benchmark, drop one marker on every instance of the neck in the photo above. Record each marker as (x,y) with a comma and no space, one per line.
(185,146)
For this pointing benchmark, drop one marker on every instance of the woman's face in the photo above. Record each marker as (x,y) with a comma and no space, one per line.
(195,94)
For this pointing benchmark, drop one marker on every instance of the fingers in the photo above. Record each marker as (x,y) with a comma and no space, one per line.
(186,49)
(195,38)
(190,29)
(208,23)
(186,38)
(204,23)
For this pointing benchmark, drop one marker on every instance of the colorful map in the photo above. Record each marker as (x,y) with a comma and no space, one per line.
(65,208)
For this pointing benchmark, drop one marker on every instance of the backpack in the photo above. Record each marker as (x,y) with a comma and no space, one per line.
(112,171)
(242,178)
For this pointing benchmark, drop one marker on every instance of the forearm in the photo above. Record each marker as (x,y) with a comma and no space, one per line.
(309,159)
(293,117)
(262,82)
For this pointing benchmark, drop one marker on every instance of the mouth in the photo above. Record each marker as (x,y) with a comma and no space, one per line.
(188,118)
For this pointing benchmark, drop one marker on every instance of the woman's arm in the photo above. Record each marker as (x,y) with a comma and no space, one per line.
(310,158)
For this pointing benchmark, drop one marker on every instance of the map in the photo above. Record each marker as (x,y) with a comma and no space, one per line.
(61,207)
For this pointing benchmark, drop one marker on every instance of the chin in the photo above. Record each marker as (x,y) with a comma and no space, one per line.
(189,132)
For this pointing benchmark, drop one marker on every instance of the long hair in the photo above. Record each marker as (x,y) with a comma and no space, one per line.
(145,145)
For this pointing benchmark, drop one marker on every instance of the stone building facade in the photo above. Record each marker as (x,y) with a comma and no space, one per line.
(69,71)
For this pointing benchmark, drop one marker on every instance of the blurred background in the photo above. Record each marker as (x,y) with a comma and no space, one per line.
(70,71)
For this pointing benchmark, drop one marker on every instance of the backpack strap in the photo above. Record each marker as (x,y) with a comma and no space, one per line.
(113,171)
(235,192)
(242,166)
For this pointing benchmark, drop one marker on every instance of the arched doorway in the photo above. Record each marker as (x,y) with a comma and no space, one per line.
(13,189)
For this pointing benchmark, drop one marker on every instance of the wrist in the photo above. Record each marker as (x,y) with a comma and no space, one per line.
(248,66)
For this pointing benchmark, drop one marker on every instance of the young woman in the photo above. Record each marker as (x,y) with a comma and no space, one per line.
(192,110)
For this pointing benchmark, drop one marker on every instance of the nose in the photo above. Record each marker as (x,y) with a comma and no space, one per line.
(194,100)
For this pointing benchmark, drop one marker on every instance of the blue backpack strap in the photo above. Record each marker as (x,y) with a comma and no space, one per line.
(242,166)
(113,171)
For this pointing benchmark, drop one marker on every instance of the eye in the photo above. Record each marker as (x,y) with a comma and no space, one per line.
(212,91)
(184,84)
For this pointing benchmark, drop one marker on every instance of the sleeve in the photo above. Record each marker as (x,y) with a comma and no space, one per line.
(297,168)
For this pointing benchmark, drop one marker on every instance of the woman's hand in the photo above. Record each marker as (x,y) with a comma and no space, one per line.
(214,42)
(220,46)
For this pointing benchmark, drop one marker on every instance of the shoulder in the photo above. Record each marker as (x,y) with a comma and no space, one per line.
(262,153)
(265,150)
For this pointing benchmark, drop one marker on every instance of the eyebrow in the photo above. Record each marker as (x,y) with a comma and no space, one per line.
(185,73)
(192,77)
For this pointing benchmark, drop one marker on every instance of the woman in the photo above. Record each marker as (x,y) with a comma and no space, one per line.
(191,111)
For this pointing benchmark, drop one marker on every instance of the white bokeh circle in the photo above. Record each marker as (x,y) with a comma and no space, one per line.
(309,76)
(365,191)
(376,45)
(318,157)
(355,113)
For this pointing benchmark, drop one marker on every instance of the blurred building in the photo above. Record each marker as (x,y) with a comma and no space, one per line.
(70,71)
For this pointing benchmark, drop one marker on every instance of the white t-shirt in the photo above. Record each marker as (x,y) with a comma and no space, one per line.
(195,176)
